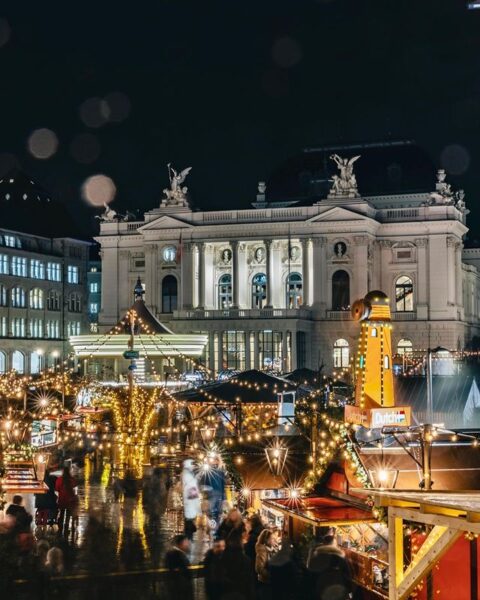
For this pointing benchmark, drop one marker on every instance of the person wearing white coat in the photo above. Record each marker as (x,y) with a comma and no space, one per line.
(191,498)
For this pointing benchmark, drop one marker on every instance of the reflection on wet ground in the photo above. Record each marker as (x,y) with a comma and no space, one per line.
(142,531)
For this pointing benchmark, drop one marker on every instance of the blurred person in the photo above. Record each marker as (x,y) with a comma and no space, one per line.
(21,518)
(67,500)
(255,526)
(191,498)
(213,569)
(54,564)
(286,573)
(232,522)
(179,579)
(264,550)
(237,568)
(328,570)
(46,504)
(213,479)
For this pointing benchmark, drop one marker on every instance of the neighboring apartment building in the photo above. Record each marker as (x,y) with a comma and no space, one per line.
(43,281)
(272,286)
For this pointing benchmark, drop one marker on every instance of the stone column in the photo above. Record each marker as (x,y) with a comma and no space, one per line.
(220,351)
(385,260)
(359,288)
(151,276)
(451,270)
(243,289)
(110,292)
(459,273)
(268,262)
(278,289)
(235,273)
(209,283)
(211,351)
(320,284)
(285,366)
(201,275)
(187,276)
(306,243)
(256,363)
(125,290)
(248,358)
(420,291)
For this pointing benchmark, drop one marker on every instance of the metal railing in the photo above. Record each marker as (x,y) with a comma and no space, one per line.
(244,313)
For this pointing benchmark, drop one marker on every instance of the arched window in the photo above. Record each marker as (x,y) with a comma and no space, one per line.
(341,354)
(341,290)
(74,302)
(35,298)
(35,363)
(259,290)
(18,297)
(404,347)
(53,300)
(225,291)
(403,294)
(3,296)
(294,290)
(18,361)
(169,294)
(3,362)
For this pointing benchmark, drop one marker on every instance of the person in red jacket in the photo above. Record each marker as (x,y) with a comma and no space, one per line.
(67,500)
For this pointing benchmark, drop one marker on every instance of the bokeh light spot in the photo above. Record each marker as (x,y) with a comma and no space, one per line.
(118,105)
(286,52)
(42,143)
(455,159)
(94,112)
(98,190)
(85,148)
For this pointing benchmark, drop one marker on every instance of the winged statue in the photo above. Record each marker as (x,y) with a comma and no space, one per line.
(346,182)
(176,179)
(176,195)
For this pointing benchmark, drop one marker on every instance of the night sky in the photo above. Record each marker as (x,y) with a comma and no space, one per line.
(233,89)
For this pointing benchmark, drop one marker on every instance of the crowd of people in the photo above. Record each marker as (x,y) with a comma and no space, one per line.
(250,561)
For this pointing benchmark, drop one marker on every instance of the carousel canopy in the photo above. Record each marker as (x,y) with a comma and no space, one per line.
(249,387)
(151,337)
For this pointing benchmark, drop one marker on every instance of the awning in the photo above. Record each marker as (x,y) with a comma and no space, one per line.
(322,511)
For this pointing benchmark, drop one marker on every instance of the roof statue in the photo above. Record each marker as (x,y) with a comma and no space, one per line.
(444,194)
(176,195)
(345,184)
(108,214)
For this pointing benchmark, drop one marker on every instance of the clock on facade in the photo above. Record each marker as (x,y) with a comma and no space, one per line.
(169,254)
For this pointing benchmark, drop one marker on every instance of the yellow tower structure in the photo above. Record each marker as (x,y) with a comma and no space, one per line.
(374,393)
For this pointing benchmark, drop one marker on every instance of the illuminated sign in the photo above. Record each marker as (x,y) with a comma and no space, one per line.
(376,418)
(44,433)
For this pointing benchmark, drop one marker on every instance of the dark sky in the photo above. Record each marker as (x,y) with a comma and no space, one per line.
(234,88)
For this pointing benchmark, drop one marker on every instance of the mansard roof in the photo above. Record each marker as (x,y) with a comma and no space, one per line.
(384,168)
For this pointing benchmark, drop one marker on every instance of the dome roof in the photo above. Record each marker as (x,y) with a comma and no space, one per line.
(384,168)
(26,207)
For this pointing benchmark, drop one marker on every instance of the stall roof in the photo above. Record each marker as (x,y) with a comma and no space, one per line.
(251,387)
(322,510)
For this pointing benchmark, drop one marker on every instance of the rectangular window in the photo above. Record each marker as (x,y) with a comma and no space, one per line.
(18,327)
(301,350)
(53,271)
(53,329)
(11,241)
(72,274)
(37,269)
(74,328)
(270,350)
(94,307)
(3,327)
(36,328)
(4,266)
(94,288)
(233,350)
(19,266)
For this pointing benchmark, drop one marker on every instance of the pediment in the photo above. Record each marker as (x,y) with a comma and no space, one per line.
(337,213)
(165,222)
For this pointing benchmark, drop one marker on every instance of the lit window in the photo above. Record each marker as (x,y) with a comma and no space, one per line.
(72,274)
(18,297)
(373,332)
(404,294)
(4,264)
(53,329)
(225,291)
(53,300)
(341,354)
(18,361)
(74,302)
(35,298)
(259,290)
(294,290)
(3,362)
(18,327)
(94,307)
(53,271)
(3,328)
(94,288)
(74,328)
(36,328)
(19,266)
(37,269)
(386,362)
(12,241)
(404,346)
(3,296)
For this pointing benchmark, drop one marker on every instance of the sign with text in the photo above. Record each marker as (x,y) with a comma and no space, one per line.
(131,354)
(376,418)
